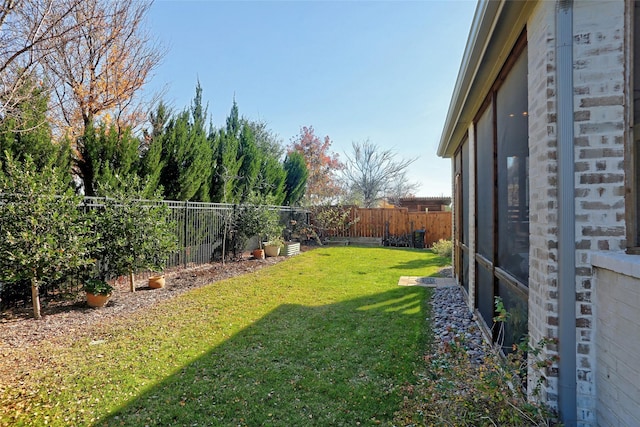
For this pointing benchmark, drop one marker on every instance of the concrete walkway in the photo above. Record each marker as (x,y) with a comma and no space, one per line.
(427,282)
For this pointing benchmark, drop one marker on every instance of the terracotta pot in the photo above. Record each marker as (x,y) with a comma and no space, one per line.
(156,282)
(97,300)
(258,253)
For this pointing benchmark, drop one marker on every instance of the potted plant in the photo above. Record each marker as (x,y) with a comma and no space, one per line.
(98,292)
(258,253)
(259,218)
(273,246)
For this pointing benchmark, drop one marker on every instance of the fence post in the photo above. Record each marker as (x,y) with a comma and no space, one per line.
(184,242)
(413,243)
(385,242)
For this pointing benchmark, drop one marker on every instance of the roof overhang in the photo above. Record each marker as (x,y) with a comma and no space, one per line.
(495,29)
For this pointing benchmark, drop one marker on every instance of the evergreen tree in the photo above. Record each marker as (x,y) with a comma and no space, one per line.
(186,155)
(227,170)
(233,121)
(296,178)
(108,154)
(25,132)
(267,141)
(247,159)
(201,146)
(273,179)
(250,162)
(226,187)
(151,163)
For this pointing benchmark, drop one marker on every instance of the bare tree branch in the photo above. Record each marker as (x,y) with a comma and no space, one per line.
(400,188)
(102,69)
(29,30)
(370,171)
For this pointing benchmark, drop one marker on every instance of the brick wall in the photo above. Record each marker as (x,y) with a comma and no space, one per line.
(599,83)
(599,177)
(543,216)
(599,131)
(617,349)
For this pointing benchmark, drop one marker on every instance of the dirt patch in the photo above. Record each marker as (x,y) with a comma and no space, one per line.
(74,317)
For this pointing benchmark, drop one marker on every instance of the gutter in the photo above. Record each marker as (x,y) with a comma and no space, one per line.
(567,405)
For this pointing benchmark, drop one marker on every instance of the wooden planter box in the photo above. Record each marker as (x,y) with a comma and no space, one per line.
(337,242)
(291,249)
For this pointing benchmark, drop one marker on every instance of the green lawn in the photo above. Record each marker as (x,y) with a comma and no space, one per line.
(324,338)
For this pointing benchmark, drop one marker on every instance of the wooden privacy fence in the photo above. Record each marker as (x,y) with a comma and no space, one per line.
(397,224)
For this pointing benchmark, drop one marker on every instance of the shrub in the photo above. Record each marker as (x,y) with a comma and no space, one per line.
(133,234)
(453,391)
(443,248)
(259,217)
(43,235)
(330,221)
(97,287)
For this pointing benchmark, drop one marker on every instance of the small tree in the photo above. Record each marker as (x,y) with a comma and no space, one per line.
(258,217)
(133,233)
(371,171)
(322,185)
(43,234)
(331,220)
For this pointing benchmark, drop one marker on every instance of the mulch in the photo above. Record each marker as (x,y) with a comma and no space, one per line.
(73,317)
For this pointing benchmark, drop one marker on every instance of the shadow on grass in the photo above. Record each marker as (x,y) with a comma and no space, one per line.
(337,364)
(423,262)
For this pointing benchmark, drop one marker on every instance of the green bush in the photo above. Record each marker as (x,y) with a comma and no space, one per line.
(259,217)
(443,248)
(97,287)
(44,237)
(132,234)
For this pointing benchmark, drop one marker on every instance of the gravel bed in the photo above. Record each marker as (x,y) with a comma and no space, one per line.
(452,318)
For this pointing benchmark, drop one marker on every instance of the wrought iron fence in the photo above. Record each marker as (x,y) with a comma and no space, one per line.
(200,228)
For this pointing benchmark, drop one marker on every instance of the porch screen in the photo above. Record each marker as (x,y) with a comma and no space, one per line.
(464,153)
(513,172)
(484,129)
(464,276)
(462,161)
(484,206)
(515,328)
(485,294)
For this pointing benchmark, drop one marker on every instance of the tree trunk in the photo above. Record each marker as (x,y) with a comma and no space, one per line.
(35,298)
(131,281)
(84,162)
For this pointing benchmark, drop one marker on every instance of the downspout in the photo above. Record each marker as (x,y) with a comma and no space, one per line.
(566,214)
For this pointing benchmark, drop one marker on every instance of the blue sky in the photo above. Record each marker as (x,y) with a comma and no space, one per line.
(354,70)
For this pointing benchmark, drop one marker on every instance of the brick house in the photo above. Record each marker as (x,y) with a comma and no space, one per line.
(546,176)
(422,204)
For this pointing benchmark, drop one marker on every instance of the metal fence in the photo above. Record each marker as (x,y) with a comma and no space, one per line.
(200,227)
